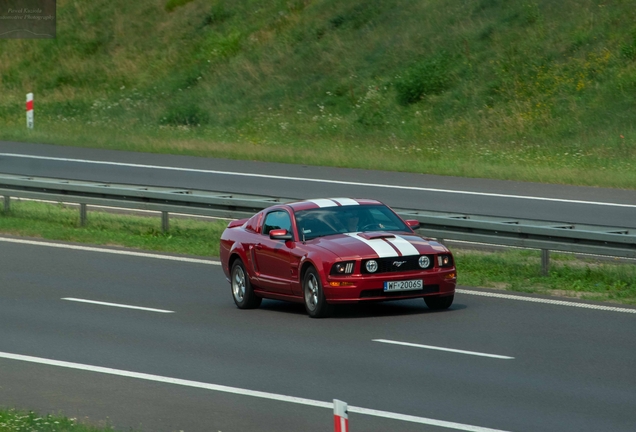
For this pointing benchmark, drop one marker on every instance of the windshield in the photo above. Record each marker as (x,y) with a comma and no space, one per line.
(326,221)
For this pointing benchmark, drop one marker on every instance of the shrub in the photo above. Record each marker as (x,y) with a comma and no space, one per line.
(628,50)
(173,4)
(426,77)
(374,107)
(186,114)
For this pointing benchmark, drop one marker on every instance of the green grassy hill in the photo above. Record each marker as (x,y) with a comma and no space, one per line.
(534,90)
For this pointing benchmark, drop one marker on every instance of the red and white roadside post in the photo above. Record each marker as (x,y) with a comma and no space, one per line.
(29,110)
(340,416)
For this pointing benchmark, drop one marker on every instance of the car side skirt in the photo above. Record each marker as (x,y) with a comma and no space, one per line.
(278,296)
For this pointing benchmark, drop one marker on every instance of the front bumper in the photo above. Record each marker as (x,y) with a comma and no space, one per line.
(361,288)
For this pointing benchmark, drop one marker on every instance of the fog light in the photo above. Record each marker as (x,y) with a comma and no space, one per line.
(372,266)
(424,261)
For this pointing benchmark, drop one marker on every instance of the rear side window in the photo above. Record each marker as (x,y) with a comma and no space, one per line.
(278,219)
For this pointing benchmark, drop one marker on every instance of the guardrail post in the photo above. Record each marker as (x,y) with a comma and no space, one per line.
(545,261)
(7,203)
(82,214)
(165,223)
(340,416)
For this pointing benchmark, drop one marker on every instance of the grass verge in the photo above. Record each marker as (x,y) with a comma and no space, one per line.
(538,90)
(61,222)
(569,276)
(12,420)
(513,270)
(550,163)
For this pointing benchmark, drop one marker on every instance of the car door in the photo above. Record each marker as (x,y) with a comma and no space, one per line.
(273,256)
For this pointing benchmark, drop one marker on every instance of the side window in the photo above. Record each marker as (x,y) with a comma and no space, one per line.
(277,220)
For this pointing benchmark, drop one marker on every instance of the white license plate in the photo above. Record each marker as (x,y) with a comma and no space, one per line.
(406,285)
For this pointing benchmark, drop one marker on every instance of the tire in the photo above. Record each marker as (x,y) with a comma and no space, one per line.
(242,291)
(315,303)
(439,303)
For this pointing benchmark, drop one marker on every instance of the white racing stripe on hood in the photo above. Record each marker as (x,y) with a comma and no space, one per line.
(323,202)
(403,245)
(346,201)
(379,246)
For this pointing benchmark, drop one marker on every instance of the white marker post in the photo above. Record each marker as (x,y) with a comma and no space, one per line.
(29,110)
(340,416)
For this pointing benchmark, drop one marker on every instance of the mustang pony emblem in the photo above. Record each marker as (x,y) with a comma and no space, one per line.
(398,263)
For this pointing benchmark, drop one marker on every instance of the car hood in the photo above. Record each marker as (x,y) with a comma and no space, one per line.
(378,245)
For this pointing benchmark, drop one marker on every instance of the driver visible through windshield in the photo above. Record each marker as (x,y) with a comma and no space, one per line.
(326,221)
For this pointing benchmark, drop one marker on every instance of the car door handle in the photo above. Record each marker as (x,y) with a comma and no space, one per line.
(259,246)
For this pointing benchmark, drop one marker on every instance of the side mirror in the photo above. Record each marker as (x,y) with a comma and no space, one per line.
(280,234)
(413,223)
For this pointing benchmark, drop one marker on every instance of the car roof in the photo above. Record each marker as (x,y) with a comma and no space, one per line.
(330,202)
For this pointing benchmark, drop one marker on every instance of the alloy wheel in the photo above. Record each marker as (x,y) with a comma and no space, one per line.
(311,292)
(238,283)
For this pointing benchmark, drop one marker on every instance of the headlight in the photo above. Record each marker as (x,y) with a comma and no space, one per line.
(342,268)
(424,261)
(372,266)
(444,261)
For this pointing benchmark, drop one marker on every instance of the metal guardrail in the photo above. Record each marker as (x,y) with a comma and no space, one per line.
(161,199)
(547,236)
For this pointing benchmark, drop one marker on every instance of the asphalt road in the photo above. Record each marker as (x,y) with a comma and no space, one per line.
(523,366)
(568,204)
(513,365)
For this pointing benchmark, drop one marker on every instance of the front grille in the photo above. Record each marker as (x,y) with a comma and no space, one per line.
(390,265)
(428,289)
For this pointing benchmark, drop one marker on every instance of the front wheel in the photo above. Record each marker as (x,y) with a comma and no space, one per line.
(315,302)
(242,291)
(439,303)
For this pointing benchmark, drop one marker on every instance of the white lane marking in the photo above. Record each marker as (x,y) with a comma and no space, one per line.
(314,180)
(403,245)
(546,301)
(246,392)
(110,251)
(200,261)
(379,246)
(323,202)
(116,305)
(436,348)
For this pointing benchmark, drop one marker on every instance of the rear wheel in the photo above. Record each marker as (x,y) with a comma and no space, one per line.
(242,291)
(315,302)
(439,303)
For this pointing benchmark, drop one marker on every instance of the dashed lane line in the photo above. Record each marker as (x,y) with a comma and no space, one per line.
(119,305)
(436,348)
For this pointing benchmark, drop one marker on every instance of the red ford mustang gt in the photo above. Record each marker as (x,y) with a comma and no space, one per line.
(323,252)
